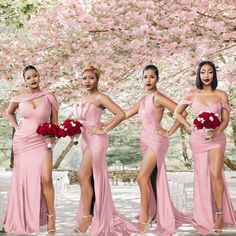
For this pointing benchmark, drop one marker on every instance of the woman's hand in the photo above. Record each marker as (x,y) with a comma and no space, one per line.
(74,137)
(190,129)
(103,125)
(51,140)
(162,132)
(17,127)
(212,134)
(97,130)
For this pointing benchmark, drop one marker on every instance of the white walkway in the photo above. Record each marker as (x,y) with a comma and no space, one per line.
(126,198)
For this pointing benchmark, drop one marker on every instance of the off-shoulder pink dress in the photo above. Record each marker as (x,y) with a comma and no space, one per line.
(204,203)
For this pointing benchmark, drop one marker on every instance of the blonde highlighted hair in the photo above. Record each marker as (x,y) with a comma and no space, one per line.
(93,69)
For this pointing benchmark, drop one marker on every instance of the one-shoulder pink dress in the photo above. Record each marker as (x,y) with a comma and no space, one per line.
(26,209)
(204,203)
(106,221)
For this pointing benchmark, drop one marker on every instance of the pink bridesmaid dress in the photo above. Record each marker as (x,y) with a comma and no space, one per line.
(204,203)
(167,216)
(26,208)
(106,221)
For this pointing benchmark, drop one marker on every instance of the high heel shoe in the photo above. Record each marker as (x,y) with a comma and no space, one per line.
(77,229)
(146,225)
(218,231)
(51,231)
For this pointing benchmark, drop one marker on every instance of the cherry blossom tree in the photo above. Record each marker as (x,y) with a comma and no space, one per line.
(119,37)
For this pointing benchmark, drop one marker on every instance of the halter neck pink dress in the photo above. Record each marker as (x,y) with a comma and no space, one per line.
(26,209)
(204,204)
(106,221)
(167,216)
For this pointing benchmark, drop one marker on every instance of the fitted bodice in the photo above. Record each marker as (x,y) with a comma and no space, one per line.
(26,137)
(87,113)
(147,113)
(39,114)
(215,107)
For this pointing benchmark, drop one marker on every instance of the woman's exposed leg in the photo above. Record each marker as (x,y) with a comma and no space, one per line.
(216,161)
(85,173)
(48,189)
(147,166)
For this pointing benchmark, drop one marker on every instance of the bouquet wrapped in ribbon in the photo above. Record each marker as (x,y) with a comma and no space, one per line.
(207,120)
(70,128)
(49,130)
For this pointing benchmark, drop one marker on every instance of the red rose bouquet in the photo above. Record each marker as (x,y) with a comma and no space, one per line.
(70,128)
(48,130)
(207,120)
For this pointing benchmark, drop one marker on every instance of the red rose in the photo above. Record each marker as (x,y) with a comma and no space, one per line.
(207,120)
(71,132)
(71,127)
(61,133)
(39,129)
(47,129)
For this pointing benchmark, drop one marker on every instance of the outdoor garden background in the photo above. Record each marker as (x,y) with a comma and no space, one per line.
(120,37)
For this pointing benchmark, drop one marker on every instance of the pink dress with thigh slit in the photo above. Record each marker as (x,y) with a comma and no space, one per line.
(26,209)
(204,203)
(106,221)
(167,216)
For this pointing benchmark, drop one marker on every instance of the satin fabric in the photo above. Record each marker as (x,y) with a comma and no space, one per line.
(204,203)
(106,221)
(26,209)
(167,216)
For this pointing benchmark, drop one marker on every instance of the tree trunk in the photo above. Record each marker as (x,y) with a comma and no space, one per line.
(63,154)
(234,132)
(12,154)
(188,163)
(229,163)
(232,100)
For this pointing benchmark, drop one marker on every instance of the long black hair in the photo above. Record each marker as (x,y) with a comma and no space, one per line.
(199,83)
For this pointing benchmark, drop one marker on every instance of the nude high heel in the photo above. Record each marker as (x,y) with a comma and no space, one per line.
(218,231)
(78,231)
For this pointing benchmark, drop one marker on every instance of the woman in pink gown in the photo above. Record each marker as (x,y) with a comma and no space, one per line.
(31,196)
(155,196)
(96,206)
(213,208)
